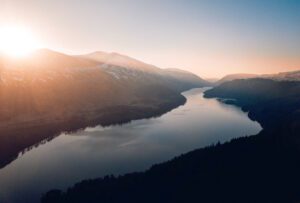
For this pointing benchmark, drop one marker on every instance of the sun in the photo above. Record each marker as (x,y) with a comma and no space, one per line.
(17,41)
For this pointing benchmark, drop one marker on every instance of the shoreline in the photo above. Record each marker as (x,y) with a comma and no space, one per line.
(27,137)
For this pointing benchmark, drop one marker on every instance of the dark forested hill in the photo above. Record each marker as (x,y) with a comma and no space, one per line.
(273,103)
(260,168)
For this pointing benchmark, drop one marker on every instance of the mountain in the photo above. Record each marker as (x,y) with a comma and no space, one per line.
(289,76)
(31,86)
(264,99)
(185,77)
(123,68)
(283,76)
(212,80)
(50,92)
(259,168)
(119,60)
(235,77)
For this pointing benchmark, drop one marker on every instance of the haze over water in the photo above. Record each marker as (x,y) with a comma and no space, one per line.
(98,151)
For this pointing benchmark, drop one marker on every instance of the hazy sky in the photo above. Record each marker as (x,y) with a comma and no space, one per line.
(210,37)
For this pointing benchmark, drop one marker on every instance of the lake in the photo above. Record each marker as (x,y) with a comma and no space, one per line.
(120,149)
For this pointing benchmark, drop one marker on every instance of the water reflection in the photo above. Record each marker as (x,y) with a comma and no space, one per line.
(119,149)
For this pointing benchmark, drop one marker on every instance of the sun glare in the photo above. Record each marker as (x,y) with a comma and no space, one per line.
(17,41)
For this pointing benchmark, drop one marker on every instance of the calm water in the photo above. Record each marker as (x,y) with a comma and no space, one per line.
(119,149)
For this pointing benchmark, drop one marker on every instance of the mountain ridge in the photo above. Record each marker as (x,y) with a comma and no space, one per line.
(281,76)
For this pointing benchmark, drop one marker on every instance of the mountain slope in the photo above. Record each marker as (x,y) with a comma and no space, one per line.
(232,77)
(50,92)
(184,79)
(115,59)
(124,68)
(264,98)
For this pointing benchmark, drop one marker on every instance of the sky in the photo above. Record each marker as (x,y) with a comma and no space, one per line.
(211,38)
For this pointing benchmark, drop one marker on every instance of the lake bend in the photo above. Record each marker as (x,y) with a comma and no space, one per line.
(118,149)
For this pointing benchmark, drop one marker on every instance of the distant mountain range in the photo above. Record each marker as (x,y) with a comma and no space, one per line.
(283,76)
(232,77)
(50,92)
(289,76)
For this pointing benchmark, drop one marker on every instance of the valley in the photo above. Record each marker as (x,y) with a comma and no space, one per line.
(242,170)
